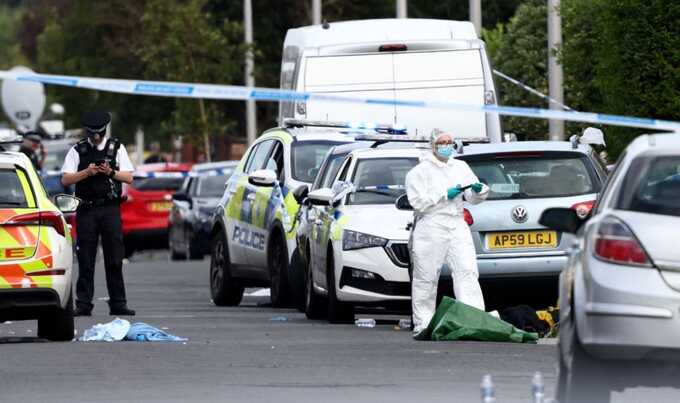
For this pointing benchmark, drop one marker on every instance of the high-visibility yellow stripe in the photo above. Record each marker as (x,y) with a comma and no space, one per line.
(4,283)
(30,200)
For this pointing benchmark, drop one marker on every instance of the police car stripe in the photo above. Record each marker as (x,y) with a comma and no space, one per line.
(232,92)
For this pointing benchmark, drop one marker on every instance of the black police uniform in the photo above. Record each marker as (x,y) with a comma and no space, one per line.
(99,215)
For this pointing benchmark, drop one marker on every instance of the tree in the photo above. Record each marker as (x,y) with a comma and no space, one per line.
(520,51)
(10,51)
(180,43)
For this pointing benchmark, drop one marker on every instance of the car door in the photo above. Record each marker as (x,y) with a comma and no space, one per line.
(177,217)
(239,205)
(322,219)
(266,205)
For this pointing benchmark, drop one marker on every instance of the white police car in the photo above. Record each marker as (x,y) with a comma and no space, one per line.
(253,234)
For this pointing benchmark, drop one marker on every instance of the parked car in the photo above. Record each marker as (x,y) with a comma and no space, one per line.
(352,224)
(253,236)
(190,220)
(55,154)
(620,291)
(400,58)
(36,254)
(147,203)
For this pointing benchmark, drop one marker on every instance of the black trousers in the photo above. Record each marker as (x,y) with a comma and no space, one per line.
(91,223)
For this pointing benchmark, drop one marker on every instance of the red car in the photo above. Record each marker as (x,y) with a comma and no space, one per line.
(147,204)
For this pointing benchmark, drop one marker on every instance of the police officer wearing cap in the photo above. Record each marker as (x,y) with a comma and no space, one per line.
(98,165)
(32,147)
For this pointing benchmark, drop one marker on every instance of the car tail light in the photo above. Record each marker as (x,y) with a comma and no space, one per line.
(393,47)
(48,218)
(614,242)
(468,217)
(583,209)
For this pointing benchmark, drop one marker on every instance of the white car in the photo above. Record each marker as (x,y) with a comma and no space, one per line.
(36,252)
(356,235)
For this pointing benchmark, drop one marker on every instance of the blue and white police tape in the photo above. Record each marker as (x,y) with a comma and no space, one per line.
(232,92)
(192,174)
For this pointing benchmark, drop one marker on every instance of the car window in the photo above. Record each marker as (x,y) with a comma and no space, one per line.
(535,175)
(211,186)
(380,180)
(54,159)
(160,183)
(12,194)
(307,157)
(608,185)
(258,156)
(275,160)
(330,171)
(652,186)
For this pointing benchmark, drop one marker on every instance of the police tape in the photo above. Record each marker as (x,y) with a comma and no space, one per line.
(182,174)
(233,92)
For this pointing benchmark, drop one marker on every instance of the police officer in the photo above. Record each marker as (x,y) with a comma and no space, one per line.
(98,165)
(32,147)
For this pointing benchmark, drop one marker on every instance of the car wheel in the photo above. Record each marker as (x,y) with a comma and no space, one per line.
(296,279)
(278,272)
(224,289)
(58,326)
(587,379)
(315,304)
(338,311)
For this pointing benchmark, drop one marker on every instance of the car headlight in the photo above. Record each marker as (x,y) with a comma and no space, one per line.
(359,240)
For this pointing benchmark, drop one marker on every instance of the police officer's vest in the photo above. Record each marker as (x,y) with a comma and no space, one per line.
(98,188)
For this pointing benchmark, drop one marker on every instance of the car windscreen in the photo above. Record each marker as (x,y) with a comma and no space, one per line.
(307,157)
(156,184)
(380,180)
(652,186)
(211,186)
(534,175)
(11,192)
(54,159)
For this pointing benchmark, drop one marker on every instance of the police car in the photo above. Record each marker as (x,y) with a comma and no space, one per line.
(253,236)
(355,234)
(36,252)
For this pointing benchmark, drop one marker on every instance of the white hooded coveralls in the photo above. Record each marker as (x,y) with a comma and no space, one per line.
(441,235)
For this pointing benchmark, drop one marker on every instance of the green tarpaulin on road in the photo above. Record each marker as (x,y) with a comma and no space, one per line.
(454,320)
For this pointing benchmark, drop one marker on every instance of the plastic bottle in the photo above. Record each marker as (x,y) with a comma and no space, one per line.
(487,389)
(538,388)
(365,323)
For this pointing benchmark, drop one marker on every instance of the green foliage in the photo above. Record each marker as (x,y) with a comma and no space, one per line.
(520,51)
(10,50)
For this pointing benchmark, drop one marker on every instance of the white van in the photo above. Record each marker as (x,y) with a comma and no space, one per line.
(402,59)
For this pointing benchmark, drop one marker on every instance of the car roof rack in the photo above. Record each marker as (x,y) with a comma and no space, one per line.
(378,127)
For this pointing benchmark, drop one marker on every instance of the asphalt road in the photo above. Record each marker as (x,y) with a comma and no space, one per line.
(240,354)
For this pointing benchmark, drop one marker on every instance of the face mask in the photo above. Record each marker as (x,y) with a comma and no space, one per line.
(444,150)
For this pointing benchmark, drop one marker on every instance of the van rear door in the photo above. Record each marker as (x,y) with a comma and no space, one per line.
(454,76)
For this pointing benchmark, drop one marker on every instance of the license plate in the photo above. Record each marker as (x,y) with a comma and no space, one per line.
(161,206)
(526,239)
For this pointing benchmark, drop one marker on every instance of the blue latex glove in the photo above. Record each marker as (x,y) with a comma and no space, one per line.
(453,192)
(476,187)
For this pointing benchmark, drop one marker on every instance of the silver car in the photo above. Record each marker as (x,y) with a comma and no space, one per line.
(519,259)
(620,291)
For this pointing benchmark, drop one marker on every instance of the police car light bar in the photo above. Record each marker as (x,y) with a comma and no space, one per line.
(378,127)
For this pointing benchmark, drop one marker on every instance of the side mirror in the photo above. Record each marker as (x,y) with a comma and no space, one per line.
(180,196)
(300,193)
(402,203)
(262,177)
(66,203)
(321,197)
(561,219)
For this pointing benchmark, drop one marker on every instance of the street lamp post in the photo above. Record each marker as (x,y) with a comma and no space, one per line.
(555,73)
(316,12)
(402,8)
(476,15)
(251,123)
